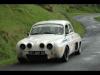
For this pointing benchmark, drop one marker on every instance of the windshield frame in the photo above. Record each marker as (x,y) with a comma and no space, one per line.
(46,24)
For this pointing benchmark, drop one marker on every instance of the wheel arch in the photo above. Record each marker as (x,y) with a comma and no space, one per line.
(67,48)
(77,44)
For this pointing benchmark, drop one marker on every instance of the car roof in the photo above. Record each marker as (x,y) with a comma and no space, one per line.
(62,22)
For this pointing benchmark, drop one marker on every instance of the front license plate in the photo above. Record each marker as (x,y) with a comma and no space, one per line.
(36,52)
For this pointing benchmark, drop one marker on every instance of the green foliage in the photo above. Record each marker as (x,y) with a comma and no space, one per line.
(97,18)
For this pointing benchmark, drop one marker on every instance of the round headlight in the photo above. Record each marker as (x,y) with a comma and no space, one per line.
(41,45)
(49,46)
(29,45)
(22,46)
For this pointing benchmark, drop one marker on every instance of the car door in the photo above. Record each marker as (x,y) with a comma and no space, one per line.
(70,36)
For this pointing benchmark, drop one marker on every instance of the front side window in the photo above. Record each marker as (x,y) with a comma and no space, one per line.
(66,29)
(47,29)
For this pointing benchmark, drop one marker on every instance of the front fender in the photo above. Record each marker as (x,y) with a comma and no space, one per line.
(59,49)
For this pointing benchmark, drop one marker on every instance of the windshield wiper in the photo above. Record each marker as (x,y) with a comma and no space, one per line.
(42,33)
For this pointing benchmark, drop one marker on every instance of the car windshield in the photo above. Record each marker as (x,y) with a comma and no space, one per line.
(47,29)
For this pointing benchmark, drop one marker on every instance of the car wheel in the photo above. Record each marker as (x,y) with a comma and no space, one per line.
(21,60)
(78,52)
(65,57)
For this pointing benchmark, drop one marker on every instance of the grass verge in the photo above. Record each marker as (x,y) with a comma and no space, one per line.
(97,18)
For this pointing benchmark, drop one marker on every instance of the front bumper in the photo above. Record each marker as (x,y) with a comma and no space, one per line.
(27,55)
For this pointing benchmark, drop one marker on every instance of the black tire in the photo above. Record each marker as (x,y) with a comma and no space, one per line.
(21,60)
(65,56)
(78,52)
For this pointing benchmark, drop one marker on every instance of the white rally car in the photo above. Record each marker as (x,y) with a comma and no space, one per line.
(49,39)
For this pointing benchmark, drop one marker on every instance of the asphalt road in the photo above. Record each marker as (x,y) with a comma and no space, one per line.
(89,60)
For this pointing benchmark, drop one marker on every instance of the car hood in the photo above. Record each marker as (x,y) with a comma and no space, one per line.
(44,38)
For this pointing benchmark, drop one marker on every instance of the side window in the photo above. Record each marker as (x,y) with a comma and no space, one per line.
(66,29)
(70,28)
